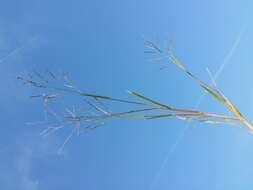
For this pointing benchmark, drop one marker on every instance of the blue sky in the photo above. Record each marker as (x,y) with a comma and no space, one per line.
(100,43)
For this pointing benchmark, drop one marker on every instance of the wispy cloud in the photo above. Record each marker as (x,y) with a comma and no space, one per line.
(21,160)
(17,172)
(24,166)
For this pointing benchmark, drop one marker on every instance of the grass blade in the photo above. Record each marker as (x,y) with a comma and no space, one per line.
(112,99)
(151,101)
(214,93)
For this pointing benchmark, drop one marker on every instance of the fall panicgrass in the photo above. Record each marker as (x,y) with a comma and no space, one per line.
(84,122)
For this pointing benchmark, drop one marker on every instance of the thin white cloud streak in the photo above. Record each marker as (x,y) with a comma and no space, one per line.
(181,135)
(230,54)
(16,51)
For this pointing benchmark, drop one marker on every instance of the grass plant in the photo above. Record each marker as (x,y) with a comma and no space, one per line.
(142,107)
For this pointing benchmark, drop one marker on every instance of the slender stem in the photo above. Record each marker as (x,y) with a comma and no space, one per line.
(181,110)
(247,124)
(199,113)
(221,116)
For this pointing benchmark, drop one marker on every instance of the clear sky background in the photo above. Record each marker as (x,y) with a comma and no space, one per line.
(100,43)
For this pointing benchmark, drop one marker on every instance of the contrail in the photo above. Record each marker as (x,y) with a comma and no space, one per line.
(15,51)
(230,54)
(172,148)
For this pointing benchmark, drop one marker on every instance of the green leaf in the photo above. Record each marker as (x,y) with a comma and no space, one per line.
(214,93)
(96,96)
(177,116)
(132,111)
(151,101)
(112,99)
(233,108)
(160,116)
(133,116)
(96,107)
